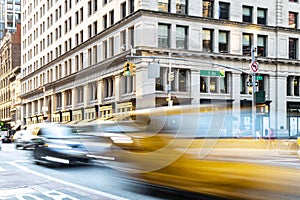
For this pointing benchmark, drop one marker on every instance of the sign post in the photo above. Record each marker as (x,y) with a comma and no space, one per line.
(254,68)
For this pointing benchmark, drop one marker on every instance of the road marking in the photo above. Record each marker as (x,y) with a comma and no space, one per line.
(15,191)
(26,169)
(2,169)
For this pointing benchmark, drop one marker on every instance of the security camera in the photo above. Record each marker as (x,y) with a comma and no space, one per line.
(123,47)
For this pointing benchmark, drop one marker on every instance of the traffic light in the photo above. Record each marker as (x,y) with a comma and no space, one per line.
(132,69)
(126,69)
(129,69)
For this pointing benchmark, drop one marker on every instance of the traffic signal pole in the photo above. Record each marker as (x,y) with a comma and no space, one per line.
(170,102)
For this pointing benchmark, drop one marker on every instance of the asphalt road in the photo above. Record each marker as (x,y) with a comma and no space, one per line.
(20,179)
(23,179)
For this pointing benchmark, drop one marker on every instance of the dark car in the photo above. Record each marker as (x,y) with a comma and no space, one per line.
(23,139)
(59,145)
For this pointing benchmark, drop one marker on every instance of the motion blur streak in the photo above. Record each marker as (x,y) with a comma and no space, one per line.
(245,168)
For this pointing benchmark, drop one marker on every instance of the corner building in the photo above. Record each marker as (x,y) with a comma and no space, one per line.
(73,52)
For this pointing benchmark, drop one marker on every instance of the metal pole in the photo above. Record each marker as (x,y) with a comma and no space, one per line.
(170,103)
(253,59)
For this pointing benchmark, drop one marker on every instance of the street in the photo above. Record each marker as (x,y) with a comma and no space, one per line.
(23,179)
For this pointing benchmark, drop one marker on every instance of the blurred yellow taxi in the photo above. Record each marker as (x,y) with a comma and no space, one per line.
(183,147)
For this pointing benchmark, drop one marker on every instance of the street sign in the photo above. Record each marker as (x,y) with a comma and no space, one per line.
(259,78)
(254,66)
(220,73)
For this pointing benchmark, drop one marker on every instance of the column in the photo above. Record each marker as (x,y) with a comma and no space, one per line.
(63,100)
(86,95)
(117,88)
(53,106)
(278,111)
(39,106)
(100,92)
(74,98)
(145,88)
(195,87)
(234,84)
(22,115)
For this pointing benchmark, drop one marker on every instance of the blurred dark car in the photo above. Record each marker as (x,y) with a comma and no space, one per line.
(59,145)
(23,139)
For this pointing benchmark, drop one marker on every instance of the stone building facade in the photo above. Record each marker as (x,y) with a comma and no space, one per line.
(73,55)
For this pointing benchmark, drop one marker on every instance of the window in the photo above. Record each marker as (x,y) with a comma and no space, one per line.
(293,22)
(81,14)
(261,16)
(111,46)
(95,54)
(81,36)
(77,39)
(181,6)
(76,63)
(247,43)
(81,64)
(104,49)
(123,37)
(223,42)
(123,10)
(95,25)
(208,6)
(80,95)
(207,44)
(261,45)
(70,23)
(77,18)
(164,5)
(58,100)
(92,91)
(224,10)
(111,16)
(89,8)
(131,36)
(108,87)
(68,94)
(131,6)
(247,14)
(89,56)
(128,84)
(161,82)
(293,43)
(95,4)
(181,37)
(182,80)
(90,31)
(245,78)
(163,35)
(105,21)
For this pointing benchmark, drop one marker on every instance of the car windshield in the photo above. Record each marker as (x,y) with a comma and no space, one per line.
(56,132)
